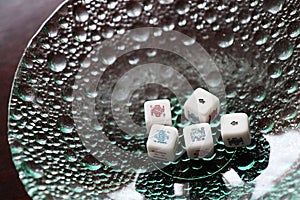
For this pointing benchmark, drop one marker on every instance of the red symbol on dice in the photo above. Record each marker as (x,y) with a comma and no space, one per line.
(157,110)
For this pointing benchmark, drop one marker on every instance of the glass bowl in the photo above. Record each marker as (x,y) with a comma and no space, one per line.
(76,121)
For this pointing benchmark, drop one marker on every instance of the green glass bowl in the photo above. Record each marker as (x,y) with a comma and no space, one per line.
(76,119)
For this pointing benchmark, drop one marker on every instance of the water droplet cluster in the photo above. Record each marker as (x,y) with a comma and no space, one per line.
(254,43)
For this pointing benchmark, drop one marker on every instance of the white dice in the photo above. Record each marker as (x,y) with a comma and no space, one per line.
(201,106)
(198,140)
(162,142)
(235,130)
(157,112)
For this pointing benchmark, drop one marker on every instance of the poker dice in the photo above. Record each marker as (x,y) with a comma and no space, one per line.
(235,130)
(201,106)
(157,112)
(198,140)
(162,142)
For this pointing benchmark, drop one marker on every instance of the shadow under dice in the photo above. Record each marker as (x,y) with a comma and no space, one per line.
(157,112)
(198,140)
(235,130)
(201,106)
(162,142)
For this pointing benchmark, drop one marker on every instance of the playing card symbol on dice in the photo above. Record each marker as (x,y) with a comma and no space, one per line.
(161,137)
(202,101)
(234,123)
(194,118)
(198,134)
(196,153)
(157,110)
(235,141)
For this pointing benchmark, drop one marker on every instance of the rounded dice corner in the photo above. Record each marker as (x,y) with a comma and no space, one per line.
(244,115)
(175,131)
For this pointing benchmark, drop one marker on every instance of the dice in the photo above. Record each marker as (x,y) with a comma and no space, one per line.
(157,112)
(162,142)
(201,106)
(235,130)
(198,140)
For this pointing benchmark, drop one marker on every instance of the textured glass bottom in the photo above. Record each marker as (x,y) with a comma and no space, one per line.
(255,46)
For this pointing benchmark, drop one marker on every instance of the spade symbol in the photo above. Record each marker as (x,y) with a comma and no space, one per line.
(201,101)
(234,123)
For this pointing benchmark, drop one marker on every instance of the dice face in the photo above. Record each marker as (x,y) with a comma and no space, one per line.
(201,106)
(235,130)
(157,112)
(162,142)
(198,140)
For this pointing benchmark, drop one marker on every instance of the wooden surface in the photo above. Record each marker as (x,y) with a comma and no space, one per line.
(19,20)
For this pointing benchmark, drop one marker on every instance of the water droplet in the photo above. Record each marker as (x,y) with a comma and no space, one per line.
(90,92)
(212,79)
(274,71)
(294,29)
(107,55)
(66,124)
(80,13)
(291,86)
(96,125)
(26,93)
(273,6)
(80,34)
(182,7)
(67,94)
(267,125)
(133,8)
(16,114)
(107,32)
(57,62)
(140,35)
(51,30)
(78,188)
(163,2)
(258,93)
(41,138)
(91,163)
(191,37)
(70,156)
(289,113)
(151,53)
(260,37)
(32,169)
(95,36)
(168,24)
(244,16)
(133,60)
(27,63)
(247,167)
(210,16)
(111,4)
(224,38)
(283,49)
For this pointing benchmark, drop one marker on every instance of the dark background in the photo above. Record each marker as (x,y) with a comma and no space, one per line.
(19,21)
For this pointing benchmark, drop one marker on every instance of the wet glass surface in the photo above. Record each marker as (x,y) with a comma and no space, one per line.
(71,139)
